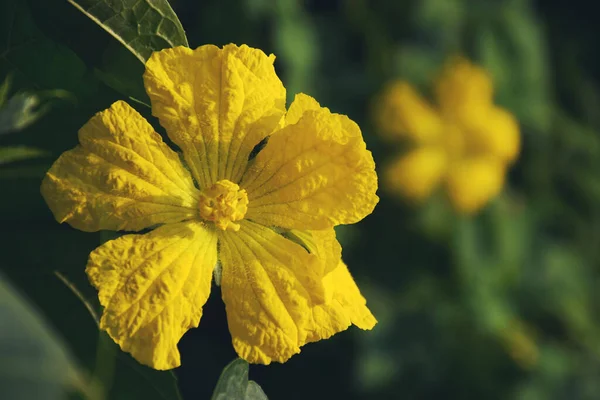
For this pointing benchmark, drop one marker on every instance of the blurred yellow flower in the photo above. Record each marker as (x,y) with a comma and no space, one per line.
(465,143)
(261,223)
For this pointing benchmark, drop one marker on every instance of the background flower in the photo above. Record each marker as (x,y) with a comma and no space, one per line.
(464,141)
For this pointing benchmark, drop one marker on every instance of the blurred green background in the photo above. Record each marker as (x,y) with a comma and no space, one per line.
(503,305)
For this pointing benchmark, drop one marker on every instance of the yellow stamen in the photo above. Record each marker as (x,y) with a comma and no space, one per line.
(223,203)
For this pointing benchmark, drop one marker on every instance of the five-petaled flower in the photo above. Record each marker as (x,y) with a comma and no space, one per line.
(262,223)
(467,143)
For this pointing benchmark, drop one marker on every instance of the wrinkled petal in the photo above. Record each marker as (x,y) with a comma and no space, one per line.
(269,285)
(401,112)
(346,307)
(464,92)
(416,174)
(323,244)
(122,176)
(472,183)
(153,287)
(498,135)
(313,174)
(216,105)
(302,103)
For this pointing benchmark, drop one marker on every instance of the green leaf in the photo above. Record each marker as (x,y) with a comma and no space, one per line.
(442,19)
(254,391)
(19,112)
(34,363)
(512,46)
(18,153)
(233,384)
(142,26)
(23,109)
(4,90)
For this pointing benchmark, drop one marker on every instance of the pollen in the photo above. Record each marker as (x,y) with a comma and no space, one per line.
(223,203)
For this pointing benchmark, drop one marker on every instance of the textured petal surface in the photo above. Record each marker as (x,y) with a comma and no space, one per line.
(472,183)
(402,113)
(302,103)
(122,176)
(323,244)
(416,174)
(269,286)
(313,174)
(216,105)
(346,307)
(153,287)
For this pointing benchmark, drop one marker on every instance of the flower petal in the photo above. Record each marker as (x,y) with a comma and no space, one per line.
(346,307)
(416,174)
(269,286)
(302,103)
(472,182)
(313,174)
(153,287)
(402,113)
(464,92)
(322,244)
(498,135)
(121,177)
(216,105)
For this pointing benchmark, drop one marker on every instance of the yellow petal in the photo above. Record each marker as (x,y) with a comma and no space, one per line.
(401,112)
(121,177)
(417,174)
(153,287)
(347,306)
(498,135)
(464,92)
(471,183)
(216,105)
(314,174)
(322,244)
(302,103)
(269,285)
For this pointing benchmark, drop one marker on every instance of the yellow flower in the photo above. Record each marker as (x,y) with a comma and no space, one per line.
(262,223)
(466,143)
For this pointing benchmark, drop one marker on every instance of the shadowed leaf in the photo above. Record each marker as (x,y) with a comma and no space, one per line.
(33,361)
(142,26)
(233,384)
(18,153)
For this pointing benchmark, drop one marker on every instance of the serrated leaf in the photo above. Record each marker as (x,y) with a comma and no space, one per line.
(19,153)
(34,363)
(142,26)
(233,384)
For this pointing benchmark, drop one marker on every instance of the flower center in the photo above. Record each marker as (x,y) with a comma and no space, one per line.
(223,203)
